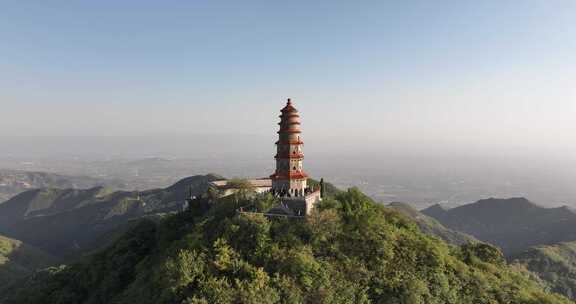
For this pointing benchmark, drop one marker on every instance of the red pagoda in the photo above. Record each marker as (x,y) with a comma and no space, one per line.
(290,181)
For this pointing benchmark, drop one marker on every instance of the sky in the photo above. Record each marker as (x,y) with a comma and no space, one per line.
(492,75)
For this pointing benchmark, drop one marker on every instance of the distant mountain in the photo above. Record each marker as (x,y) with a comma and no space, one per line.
(13,182)
(64,222)
(349,250)
(18,260)
(432,227)
(436,211)
(512,224)
(554,264)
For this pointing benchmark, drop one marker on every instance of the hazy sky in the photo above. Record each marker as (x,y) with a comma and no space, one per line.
(414,73)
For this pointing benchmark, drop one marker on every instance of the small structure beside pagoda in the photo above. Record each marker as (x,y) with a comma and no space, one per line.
(289,182)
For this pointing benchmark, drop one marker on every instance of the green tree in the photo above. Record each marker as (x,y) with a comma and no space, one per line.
(265,201)
(243,190)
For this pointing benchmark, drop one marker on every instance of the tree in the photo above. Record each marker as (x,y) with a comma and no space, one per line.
(243,189)
(212,193)
(263,202)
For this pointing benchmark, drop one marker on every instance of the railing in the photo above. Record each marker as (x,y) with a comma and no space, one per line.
(270,214)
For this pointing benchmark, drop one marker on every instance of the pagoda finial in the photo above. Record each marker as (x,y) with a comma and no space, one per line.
(289,101)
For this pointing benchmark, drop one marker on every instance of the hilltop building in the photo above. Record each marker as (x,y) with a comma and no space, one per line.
(259,185)
(289,182)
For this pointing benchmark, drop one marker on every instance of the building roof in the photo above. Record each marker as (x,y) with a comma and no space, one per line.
(257,183)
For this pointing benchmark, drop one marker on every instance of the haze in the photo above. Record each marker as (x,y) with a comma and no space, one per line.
(388,89)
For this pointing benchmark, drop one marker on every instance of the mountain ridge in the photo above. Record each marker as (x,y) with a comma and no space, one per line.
(431,226)
(350,250)
(63,221)
(13,182)
(513,224)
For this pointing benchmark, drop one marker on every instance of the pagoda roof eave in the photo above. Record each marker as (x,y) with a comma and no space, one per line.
(289,131)
(300,175)
(289,142)
(299,156)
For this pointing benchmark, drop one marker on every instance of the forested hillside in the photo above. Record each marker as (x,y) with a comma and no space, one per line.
(432,227)
(18,260)
(554,264)
(350,250)
(65,222)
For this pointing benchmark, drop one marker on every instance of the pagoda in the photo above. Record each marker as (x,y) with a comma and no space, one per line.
(289,181)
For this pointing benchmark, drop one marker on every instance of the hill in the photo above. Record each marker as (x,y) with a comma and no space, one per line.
(13,182)
(432,227)
(554,264)
(514,224)
(65,222)
(18,260)
(350,250)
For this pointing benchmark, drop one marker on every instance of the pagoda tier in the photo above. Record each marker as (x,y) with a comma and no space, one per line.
(289,176)
(290,156)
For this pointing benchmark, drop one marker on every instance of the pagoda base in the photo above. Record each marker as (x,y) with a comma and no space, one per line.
(297,206)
